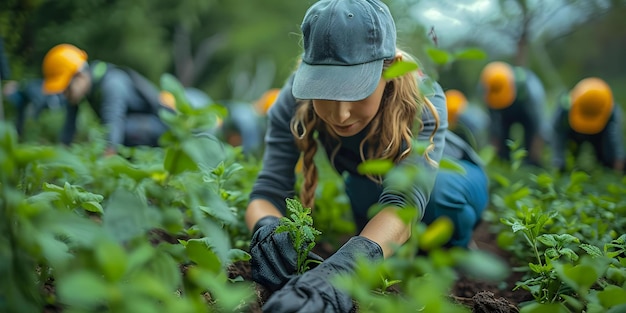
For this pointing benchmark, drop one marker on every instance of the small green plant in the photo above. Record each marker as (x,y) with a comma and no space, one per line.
(301,231)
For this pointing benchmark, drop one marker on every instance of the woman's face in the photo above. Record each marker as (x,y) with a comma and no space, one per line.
(348,118)
(78,88)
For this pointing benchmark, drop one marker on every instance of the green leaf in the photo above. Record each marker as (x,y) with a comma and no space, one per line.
(617,309)
(612,296)
(591,250)
(127,216)
(140,256)
(199,252)
(217,237)
(548,240)
(544,308)
(375,167)
(205,150)
(616,275)
(437,233)
(171,84)
(483,265)
(56,252)
(229,296)
(439,57)
(398,69)
(177,161)
(471,54)
(448,164)
(165,269)
(218,208)
(82,289)
(92,206)
(236,255)
(501,179)
(580,277)
(112,260)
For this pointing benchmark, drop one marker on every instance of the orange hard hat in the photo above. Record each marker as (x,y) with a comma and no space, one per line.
(498,80)
(456,102)
(60,65)
(592,104)
(267,100)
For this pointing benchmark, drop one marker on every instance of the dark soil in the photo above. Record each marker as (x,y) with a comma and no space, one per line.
(479,296)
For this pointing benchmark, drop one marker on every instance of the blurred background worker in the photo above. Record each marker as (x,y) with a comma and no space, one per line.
(514,95)
(126,103)
(29,101)
(466,120)
(246,123)
(588,113)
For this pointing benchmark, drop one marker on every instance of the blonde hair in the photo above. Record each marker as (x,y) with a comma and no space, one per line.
(401,104)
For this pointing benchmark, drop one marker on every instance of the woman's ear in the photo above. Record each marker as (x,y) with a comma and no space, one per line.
(397,57)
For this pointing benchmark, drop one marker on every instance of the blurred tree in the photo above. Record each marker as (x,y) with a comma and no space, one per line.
(523,32)
(237,48)
(507,26)
(202,42)
(14,22)
(597,49)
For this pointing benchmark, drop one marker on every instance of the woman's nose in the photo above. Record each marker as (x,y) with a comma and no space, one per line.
(342,112)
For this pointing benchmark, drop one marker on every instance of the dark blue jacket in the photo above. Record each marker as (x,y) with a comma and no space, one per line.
(114,94)
(608,144)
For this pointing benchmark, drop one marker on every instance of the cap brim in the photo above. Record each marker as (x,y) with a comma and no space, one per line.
(54,85)
(337,82)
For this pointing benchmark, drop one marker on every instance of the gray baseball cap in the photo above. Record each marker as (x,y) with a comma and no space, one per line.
(345,45)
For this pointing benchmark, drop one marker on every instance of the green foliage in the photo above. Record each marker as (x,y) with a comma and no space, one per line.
(128,233)
(424,280)
(563,230)
(300,228)
(399,68)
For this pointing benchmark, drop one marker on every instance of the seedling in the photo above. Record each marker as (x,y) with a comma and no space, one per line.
(301,231)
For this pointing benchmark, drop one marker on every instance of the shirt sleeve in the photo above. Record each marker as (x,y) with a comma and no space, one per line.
(69,126)
(559,137)
(276,179)
(116,91)
(536,105)
(615,135)
(419,192)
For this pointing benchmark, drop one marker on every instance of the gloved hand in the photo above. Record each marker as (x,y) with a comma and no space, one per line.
(313,291)
(274,260)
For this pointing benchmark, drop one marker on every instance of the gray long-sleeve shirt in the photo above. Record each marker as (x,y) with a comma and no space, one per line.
(608,144)
(113,95)
(277,178)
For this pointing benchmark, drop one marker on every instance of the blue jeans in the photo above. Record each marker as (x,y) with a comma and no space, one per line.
(460,197)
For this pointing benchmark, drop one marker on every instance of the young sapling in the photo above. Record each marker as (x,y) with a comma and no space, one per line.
(301,231)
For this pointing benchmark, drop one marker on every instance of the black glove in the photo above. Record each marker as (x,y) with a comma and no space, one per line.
(274,260)
(313,291)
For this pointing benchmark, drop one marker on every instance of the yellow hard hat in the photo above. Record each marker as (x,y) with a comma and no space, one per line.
(267,100)
(498,80)
(60,65)
(456,102)
(592,104)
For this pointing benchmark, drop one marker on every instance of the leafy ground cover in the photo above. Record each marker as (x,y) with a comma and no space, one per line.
(154,230)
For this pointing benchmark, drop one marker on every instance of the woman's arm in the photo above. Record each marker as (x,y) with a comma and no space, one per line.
(386,228)
(257,209)
(276,180)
